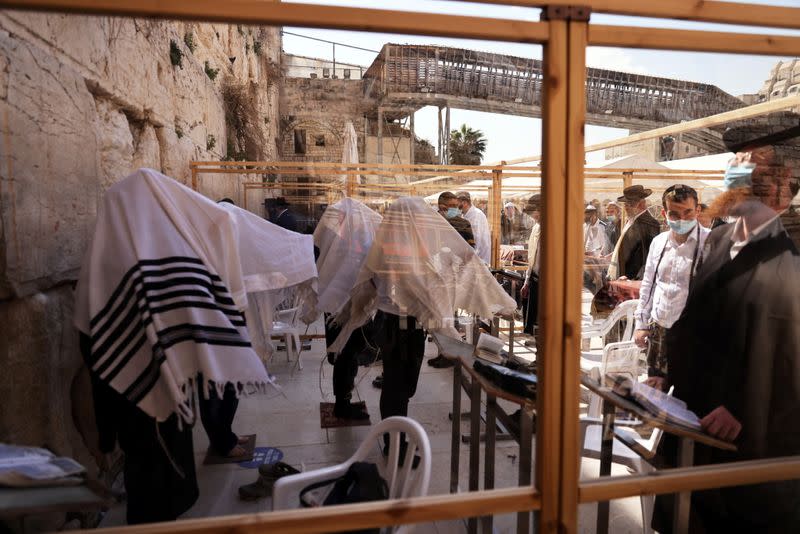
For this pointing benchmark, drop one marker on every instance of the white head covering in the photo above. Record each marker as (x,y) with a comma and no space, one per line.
(344,235)
(420,266)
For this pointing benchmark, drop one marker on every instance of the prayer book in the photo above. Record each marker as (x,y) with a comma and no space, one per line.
(31,466)
(655,401)
(488,349)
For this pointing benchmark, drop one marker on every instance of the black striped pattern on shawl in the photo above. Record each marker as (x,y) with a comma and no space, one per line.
(162,287)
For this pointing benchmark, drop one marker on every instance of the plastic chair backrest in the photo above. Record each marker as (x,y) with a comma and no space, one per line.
(626,310)
(621,358)
(403,482)
(287,316)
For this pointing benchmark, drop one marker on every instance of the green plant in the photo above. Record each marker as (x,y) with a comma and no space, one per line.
(211,142)
(179,131)
(188,40)
(467,146)
(211,72)
(257,47)
(175,54)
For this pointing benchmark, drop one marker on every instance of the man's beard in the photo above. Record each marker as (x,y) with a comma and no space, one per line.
(723,205)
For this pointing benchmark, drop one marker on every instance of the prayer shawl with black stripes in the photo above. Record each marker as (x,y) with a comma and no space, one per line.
(163,287)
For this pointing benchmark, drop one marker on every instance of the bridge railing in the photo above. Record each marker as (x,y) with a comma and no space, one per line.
(410,69)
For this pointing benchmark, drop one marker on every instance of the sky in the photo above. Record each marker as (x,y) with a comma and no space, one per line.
(511,137)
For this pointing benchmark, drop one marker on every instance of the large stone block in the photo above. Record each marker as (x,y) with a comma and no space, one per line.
(40,357)
(49,168)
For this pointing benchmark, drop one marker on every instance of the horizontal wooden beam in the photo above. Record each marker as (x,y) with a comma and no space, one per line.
(693,40)
(706,122)
(352,516)
(694,478)
(716,11)
(306,15)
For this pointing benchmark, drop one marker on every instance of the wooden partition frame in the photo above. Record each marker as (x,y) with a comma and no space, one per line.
(557,488)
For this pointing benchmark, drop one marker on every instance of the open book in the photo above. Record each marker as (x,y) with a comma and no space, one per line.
(488,349)
(655,401)
(31,466)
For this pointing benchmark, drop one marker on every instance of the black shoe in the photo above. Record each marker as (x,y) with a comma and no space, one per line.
(350,411)
(440,362)
(402,456)
(433,362)
(378,382)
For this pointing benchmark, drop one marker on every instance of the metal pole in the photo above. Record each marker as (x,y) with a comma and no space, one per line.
(334,60)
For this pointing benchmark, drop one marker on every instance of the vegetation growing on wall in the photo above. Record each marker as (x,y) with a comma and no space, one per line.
(188,40)
(211,72)
(175,54)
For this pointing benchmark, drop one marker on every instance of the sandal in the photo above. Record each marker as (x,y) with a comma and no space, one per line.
(272,472)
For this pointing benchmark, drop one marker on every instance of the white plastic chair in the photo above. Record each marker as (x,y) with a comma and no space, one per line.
(621,358)
(404,482)
(286,325)
(625,310)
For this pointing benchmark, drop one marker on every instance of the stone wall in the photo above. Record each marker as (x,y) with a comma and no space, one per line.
(84,101)
(314,112)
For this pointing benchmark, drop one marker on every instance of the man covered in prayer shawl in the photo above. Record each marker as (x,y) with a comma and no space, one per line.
(417,273)
(734,354)
(343,236)
(161,299)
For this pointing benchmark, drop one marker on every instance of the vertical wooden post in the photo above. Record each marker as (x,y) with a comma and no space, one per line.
(194,176)
(627,180)
(552,269)
(570,385)
(411,143)
(495,211)
(379,153)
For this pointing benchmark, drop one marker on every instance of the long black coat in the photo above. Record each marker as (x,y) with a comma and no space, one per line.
(635,246)
(737,345)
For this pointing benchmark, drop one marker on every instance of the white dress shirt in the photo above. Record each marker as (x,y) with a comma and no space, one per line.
(533,250)
(481,232)
(595,240)
(663,294)
(740,241)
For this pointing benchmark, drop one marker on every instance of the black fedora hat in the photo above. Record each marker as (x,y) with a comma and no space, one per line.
(634,193)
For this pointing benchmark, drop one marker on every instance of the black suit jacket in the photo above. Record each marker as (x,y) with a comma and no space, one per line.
(737,344)
(636,245)
(287,220)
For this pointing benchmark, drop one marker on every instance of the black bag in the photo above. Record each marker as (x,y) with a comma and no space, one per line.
(361,483)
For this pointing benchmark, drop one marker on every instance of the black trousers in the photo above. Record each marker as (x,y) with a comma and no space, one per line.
(403,347)
(217,416)
(345,367)
(530,307)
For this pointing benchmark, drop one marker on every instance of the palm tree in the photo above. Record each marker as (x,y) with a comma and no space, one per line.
(467,146)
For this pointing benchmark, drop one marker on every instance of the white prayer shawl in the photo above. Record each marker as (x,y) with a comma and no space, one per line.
(343,236)
(163,288)
(420,266)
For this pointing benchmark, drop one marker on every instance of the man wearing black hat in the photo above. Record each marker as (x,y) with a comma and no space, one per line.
(630,252)
(282,216)
(734,354)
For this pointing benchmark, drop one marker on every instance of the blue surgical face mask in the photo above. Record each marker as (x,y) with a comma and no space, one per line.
(737,176)
(611,218)
(452,212)
(682,226)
